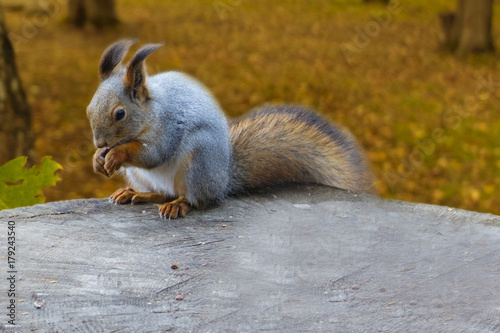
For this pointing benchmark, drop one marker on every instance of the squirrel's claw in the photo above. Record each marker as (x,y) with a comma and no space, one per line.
(98,161)
(113,162)
(122,196)
(177,208)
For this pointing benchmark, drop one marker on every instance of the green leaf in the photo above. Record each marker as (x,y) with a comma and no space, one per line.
(23,187)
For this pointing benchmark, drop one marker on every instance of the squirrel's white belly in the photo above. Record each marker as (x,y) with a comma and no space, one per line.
(159,180)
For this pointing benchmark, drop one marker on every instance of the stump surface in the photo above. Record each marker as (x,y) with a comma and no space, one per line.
(306,259)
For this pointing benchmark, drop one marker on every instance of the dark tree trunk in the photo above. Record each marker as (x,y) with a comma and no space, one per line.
(99,13)
(77,15)
(381,1)
(16,135)
(469,29)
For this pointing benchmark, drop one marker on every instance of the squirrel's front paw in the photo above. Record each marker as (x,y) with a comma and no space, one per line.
(99,159)
(122,196)
(113,161)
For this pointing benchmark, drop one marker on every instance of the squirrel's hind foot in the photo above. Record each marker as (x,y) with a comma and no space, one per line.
(174,209)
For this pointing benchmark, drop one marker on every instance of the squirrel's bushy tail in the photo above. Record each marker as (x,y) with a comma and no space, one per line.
(277,145)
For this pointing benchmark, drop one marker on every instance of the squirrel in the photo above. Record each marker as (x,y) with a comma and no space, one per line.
(168,136)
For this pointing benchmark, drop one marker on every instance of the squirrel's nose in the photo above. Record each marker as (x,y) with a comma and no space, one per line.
(100,142)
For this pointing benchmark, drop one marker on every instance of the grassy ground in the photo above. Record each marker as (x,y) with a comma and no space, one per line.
(428,121)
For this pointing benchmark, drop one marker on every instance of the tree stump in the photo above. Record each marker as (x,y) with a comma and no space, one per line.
(302,259)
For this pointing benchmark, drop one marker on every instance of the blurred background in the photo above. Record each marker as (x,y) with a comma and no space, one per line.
(422,103)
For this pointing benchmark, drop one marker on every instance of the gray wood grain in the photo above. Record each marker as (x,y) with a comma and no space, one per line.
(306,259)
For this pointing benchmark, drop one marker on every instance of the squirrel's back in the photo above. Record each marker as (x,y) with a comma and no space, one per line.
(277,145)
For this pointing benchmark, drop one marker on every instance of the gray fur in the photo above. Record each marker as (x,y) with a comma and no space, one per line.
(183,118)
(181,130)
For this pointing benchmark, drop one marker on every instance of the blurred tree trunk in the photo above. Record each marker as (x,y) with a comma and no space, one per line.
(16,135)
(381,1)
(99,13)
(468,30)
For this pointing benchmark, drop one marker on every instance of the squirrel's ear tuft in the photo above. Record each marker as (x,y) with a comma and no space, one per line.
(112,57)
(135,77)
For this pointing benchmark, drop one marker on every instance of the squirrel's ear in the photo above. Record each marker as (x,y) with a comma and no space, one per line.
(135,78)
(112,57)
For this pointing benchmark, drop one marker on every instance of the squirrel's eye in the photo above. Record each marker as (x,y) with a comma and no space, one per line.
(120,114)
